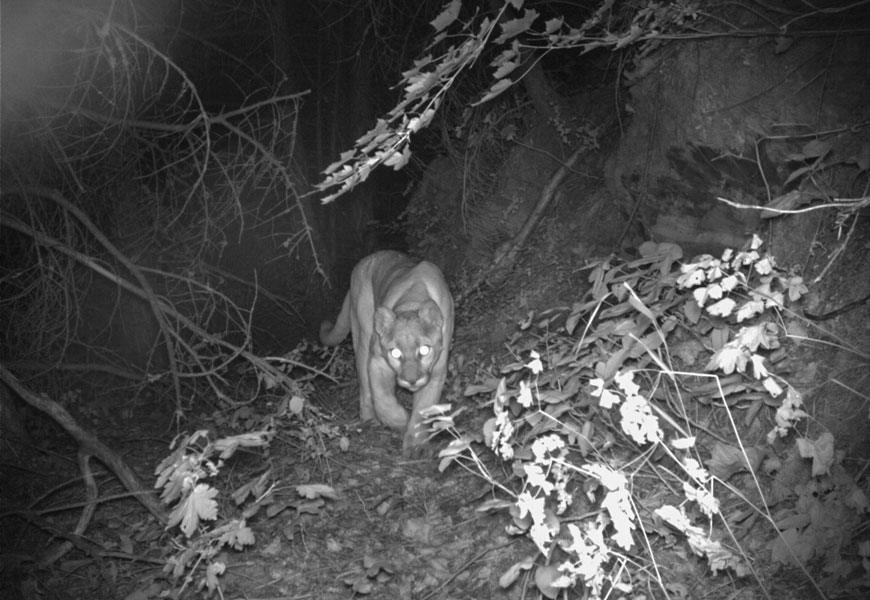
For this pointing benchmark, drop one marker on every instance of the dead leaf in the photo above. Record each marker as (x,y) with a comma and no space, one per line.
(795,521)
(727,460)
(316,490)
(821,451)
(545,575)
(801,548)
(511,575)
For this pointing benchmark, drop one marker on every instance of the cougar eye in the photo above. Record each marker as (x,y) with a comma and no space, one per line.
(425,350)
(396,353)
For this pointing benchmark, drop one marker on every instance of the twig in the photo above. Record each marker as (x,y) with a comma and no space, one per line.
(278,300)
(33,365)
(849,204)
(91,496)
(838,252)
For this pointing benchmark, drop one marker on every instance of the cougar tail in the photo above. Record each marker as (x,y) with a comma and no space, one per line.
(332,335)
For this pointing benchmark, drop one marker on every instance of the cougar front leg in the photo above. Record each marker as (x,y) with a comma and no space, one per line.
(366,406)
(387,407)
(361,351)
(414,442)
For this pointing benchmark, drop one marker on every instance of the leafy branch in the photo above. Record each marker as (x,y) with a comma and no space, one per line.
(432,76)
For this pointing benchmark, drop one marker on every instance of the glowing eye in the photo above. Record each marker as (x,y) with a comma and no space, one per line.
(396,353)
(425,350)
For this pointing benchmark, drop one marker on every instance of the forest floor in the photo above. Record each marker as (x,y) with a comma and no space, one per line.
(348,517)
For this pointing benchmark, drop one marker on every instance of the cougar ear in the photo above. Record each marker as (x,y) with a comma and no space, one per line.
(431,314)
(385,319)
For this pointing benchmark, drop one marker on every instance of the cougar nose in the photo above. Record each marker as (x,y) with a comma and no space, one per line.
(413,386)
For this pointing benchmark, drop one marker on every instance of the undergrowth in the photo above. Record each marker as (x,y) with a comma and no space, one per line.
(611,463)
(604,420)
(208,515)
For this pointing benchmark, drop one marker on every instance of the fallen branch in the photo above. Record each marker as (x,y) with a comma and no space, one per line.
(89,445)
(505,256)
